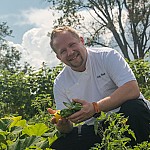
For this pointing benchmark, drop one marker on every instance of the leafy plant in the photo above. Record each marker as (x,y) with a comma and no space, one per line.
(114,137)
(72,107)
(27,94)
(16,134)
(141,69)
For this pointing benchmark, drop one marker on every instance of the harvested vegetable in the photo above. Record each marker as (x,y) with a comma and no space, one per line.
(57,115)
(72,107)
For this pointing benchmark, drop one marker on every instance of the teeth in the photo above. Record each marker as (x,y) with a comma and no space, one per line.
(74,58)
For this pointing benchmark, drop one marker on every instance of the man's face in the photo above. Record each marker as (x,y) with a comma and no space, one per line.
(71,50)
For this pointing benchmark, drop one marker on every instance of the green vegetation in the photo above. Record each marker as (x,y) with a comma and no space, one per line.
(71,108)
(114,136)
(17,134)
(141,70)
(28,95)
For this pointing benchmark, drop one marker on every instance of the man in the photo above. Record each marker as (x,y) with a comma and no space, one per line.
(99,79)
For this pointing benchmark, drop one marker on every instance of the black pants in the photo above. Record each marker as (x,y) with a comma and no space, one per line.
(139,121)
(74,141)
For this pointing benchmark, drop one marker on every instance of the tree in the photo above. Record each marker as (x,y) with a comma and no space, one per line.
(129,23)
(9,55)
(4,31)
(9,58)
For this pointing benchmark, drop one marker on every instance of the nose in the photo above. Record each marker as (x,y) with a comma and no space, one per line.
(70,51)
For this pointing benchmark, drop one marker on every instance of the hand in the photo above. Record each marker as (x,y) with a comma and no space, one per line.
(62,124)
(85,113)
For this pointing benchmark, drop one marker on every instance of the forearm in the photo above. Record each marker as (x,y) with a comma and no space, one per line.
(126,92)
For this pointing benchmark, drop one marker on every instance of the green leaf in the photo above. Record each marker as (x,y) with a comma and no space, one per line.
(68,105)
(22,144)
(37,129)
(16,130)
(5,123)
(15,121)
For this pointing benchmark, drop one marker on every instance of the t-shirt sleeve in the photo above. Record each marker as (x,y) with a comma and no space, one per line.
(118,69)
(59,95)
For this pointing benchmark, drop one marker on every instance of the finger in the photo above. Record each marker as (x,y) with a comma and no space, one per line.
(51,111)
(76,120)
(78,101)
(75,115)
(62,121)
(53,120)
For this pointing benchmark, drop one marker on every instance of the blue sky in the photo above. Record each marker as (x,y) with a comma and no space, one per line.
(11,11)
(30,21)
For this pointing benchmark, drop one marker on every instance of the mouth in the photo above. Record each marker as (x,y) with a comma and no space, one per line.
(74,57)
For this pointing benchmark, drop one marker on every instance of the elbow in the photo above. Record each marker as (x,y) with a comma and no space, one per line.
(136,92)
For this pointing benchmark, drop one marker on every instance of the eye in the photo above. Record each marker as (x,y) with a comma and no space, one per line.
(63,51)
(72,44)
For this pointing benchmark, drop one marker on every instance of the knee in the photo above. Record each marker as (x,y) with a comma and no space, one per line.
(132,108)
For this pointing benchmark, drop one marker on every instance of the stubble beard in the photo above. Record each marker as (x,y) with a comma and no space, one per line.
(79,65)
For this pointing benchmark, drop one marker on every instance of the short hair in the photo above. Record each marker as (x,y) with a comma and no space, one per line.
(59,30)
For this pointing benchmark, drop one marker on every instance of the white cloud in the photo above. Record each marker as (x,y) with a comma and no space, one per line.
(35,46)
(40,17)
(36,42)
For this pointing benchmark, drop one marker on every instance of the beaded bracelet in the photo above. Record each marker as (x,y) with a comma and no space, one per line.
(97,110)
(96,107)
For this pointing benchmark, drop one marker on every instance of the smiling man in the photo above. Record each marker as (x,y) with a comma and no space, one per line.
(99,79)
(70,50)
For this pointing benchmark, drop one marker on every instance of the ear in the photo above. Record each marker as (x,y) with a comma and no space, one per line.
(82,40)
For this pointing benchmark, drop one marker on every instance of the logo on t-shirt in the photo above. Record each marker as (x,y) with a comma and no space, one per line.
(102,74)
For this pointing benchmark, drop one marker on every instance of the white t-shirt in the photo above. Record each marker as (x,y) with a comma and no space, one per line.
(106,70)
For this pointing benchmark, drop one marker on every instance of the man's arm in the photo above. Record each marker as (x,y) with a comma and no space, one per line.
(128,91)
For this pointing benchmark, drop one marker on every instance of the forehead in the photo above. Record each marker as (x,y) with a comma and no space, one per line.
(63,38)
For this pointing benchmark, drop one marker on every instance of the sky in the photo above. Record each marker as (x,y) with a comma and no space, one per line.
(30,21)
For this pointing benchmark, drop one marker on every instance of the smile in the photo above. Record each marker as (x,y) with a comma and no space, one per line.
(74,57)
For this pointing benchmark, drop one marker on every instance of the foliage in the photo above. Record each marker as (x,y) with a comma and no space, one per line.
(16,134)
(72,107)
(127,21)
(9,56)
(27,94)
(114,136)
(141,70)
(4,31)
